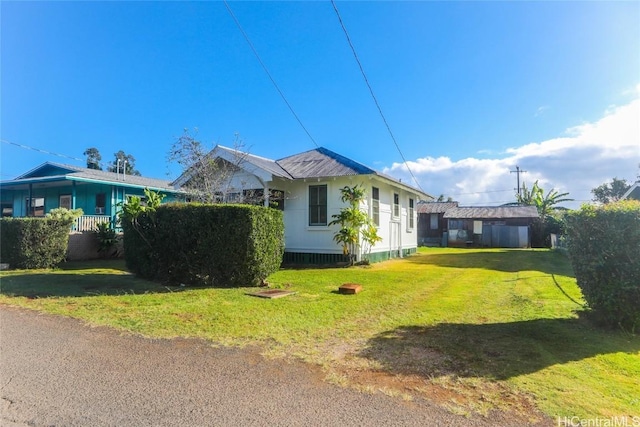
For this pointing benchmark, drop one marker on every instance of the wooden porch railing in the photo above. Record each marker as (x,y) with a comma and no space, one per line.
(90,222)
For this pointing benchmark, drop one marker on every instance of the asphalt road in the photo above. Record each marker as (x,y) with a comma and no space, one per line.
(56,371)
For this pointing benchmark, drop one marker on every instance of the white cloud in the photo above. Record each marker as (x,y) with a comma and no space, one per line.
(587,156)
(541,110)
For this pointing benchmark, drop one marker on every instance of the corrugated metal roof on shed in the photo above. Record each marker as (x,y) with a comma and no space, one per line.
(493,212)
(435,207)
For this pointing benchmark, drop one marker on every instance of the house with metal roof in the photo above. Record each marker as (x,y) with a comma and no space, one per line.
(306,187)
(492,226)
(96,192)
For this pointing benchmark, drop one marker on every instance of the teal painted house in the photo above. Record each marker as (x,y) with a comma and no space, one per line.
(97,193)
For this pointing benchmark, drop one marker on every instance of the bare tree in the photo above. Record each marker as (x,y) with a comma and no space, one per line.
(208,178)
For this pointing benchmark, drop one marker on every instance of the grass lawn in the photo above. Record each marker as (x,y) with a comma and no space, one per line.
(474,330)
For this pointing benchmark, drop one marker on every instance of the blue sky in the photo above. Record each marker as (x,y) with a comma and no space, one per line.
(469,89)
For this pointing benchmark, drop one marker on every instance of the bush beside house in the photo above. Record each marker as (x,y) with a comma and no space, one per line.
(604,248)
(36,242)
(211,245)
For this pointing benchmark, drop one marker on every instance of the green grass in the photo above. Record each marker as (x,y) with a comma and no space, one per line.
(474,330)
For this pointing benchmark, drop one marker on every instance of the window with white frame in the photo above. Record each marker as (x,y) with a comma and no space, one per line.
(375,205)
(410,220)
(318,205)
(35,206)
(396,205)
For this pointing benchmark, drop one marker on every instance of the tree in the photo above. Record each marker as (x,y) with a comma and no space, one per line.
(208,179)
(356,228)
(610,192)
(442,199)
(123,163)
(93,158)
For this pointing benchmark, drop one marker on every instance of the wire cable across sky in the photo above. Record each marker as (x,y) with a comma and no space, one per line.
(375,100)
(26,147)
(264,67)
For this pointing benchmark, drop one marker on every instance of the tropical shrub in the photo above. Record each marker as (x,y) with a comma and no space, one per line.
(604,248)
(356,228)
(107,239)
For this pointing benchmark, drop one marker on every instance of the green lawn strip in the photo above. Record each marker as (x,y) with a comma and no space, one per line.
(475,321)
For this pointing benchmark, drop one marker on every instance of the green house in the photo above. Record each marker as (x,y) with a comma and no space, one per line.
(97,193)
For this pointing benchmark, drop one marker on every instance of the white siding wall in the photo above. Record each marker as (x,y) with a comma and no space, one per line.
(394,230)
(301,237)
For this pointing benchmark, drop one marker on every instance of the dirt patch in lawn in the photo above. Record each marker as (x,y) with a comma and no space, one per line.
(437,383)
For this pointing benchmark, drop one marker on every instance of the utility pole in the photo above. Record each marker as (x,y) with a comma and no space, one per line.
(518,172)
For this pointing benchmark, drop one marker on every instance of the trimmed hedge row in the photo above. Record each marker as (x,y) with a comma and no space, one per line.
(211,245)
(604,248)
(34,242)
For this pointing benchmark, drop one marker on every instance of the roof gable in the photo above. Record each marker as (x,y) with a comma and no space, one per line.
(48,169)
(633,192)
(55,171)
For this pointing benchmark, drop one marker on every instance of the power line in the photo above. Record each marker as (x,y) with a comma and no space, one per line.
(264,67)
(375,100)
(26,147)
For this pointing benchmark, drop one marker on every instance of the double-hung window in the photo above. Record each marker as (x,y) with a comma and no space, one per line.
(410,223)
(396,205)
(375,206)
(317,205)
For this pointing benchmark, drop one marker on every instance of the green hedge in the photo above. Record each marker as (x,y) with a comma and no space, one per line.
(212,245)
(34,242)
(604,248)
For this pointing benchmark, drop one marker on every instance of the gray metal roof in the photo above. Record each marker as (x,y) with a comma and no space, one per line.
(262,162)
(80,173)
(492,212)
(317,163)
(322,163)
(435,207)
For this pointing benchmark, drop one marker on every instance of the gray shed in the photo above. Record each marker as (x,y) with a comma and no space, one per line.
(491,226)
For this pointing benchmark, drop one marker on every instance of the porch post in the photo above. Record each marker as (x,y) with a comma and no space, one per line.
(73,194)
(266,196)
(30,202)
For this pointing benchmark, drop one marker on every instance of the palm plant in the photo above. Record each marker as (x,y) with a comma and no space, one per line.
(544,203)
(356,227)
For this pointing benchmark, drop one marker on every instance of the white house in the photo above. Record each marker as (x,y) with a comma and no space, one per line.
(306,187)
(633,192)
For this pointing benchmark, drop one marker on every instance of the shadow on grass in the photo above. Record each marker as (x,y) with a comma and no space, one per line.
(494,351)
(507,260)
(77,284)
(112,264)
